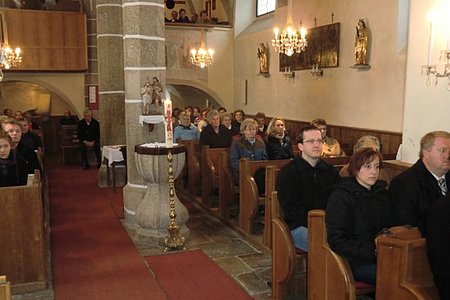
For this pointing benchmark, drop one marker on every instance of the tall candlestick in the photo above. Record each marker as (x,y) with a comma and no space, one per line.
(168,127)
(430,43)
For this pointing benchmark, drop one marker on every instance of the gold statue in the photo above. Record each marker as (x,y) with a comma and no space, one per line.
(361,43)
(263,63)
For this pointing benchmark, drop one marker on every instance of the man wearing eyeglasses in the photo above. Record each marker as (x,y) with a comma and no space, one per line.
(304,184)
(415,190)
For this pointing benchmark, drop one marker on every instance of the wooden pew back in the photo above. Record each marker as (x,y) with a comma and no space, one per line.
(403,271)
(329,275)
(193,164)
(210,172)
(271,178)
(5,289)
(23,256)
(288,267)
(68,140)
(227,189)
(249,198)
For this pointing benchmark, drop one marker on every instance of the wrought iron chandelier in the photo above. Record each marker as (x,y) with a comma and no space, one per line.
(202,57)
(289,41)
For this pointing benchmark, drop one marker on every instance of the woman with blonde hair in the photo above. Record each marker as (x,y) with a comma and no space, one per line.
(278,143)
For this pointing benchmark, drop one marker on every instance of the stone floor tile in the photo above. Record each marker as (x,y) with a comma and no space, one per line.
(228,248)
(252,283)
(233,265)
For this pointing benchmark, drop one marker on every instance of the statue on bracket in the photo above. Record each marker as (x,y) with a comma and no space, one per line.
(361,44)
(151,96)
(263,60)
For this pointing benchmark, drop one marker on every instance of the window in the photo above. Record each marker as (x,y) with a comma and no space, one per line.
(264,7)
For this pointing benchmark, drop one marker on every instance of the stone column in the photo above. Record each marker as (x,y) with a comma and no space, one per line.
(110,72)
(144,58)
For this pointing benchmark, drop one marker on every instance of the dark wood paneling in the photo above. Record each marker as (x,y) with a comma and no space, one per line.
(347,136)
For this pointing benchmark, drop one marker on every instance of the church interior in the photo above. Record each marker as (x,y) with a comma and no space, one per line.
(101,55)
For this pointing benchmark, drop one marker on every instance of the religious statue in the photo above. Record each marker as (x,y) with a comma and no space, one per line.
(361,43)
(157,90)
(263,63)
(146,98)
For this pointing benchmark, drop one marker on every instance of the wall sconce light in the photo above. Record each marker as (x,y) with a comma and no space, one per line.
(316,72)
(288,73)
(430,70)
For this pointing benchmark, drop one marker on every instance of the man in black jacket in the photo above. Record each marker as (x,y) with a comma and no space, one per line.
(304,184)
(438,244)
(89,137)
(415,190)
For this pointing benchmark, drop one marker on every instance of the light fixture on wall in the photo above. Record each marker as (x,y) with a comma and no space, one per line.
(289,41)
(288,73)
(432,71)
(316,72)
(202,57)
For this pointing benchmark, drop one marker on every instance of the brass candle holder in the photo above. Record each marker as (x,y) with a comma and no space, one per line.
(175,241)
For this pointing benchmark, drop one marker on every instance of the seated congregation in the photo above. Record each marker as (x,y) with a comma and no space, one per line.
(329,219)
(361,198)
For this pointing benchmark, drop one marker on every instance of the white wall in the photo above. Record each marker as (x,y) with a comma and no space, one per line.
(344,96)
(426,108)
(68,86)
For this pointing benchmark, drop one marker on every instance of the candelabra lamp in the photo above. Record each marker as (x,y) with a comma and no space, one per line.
(202,57)
(288,73)
(289,41)
(316,72)
(432,71)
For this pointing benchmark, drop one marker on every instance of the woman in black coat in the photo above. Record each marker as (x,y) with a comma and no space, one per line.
(13,169)
(357,211)
(278,144)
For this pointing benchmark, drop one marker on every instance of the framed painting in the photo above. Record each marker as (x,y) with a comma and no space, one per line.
(323,48)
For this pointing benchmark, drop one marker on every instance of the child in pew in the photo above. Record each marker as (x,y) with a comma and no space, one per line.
(13,169)
(357,210)
(251,146)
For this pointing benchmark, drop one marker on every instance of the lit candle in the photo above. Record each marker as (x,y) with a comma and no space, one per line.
(430,43)
(168,127)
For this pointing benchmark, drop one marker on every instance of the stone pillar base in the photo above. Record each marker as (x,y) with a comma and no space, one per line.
(153,237)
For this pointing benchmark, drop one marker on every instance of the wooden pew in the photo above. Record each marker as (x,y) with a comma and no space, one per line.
(403,271)
(23,246)
(68,140)
(210,173)
(329,275)
(271,178)
(192,165)
(271,175)
(249,198)
(5,289)
(227,189)
(395,167)
(288,266)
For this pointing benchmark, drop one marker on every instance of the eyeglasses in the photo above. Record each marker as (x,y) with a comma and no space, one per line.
(443,150)
(318,141)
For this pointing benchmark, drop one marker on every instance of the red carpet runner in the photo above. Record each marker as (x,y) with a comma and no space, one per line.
(192,275)
(92,255)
